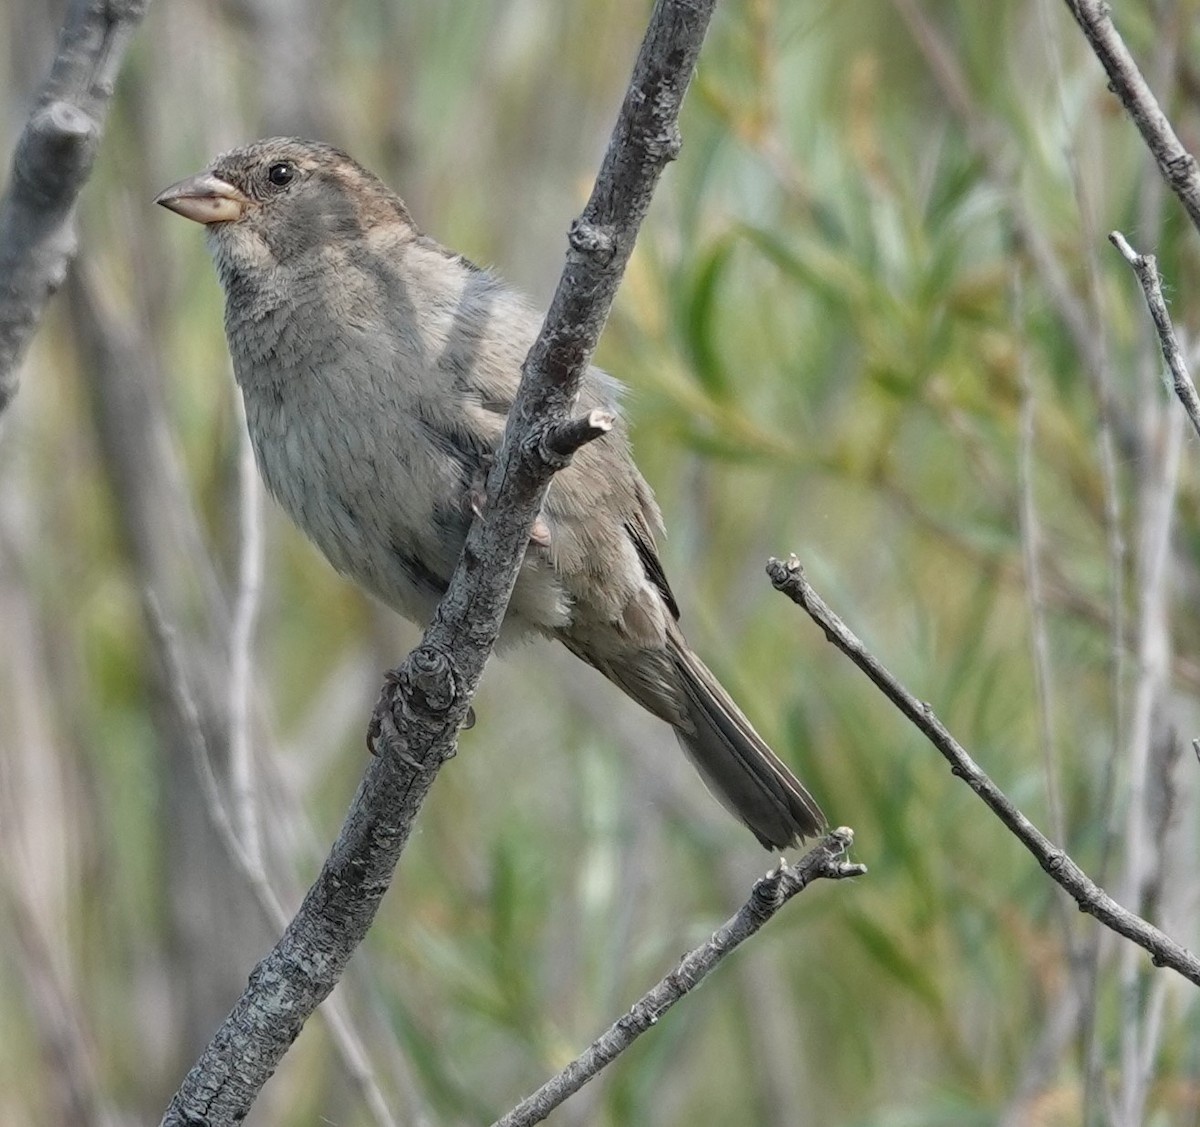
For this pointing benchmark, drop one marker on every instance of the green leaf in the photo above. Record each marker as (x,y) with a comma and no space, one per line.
(700,319)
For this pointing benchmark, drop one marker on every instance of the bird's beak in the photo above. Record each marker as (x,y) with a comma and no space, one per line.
(205,198)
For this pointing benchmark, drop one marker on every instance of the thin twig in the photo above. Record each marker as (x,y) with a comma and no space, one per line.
(51,163)
(241,639)
(1145,266)
(1157,516)
(1031,539)
(61,1030)
(183,700)
(346,1037)
(1043,1056)
(1164,951)
(770,893)
(40,874)
(1086,967)
(425,702)
(162,532)
(243,780)
(982,134)
(1177,165)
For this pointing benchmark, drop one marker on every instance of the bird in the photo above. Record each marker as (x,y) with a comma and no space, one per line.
(378,368)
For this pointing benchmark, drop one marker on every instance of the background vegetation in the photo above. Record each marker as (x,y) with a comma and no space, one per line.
(873,320)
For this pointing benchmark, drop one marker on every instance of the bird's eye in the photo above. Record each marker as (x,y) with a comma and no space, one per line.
(281,174)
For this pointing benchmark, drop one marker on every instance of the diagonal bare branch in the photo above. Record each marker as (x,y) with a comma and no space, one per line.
(1125,79)
(824,860)
(788,577)
(425,701)
(1145,266)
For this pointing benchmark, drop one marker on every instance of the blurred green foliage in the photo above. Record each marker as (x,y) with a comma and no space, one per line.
(833,317)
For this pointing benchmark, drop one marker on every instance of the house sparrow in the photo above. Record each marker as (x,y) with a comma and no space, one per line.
(378,370)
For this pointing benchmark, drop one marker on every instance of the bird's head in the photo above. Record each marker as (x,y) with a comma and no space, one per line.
(271,201)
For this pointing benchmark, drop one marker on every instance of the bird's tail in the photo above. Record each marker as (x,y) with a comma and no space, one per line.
(748,778)
(751,781)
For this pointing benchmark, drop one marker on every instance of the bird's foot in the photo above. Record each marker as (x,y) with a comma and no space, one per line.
(476,505)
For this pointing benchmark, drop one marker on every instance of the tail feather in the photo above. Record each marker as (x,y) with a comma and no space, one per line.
(750,780)
(745,775)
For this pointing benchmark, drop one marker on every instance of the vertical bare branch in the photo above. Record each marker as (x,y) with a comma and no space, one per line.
(981,133)
(207,688)
(1153,684)
(241,662)
(1031,541)
(40,871)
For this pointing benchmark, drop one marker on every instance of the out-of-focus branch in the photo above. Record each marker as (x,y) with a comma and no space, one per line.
(788,577)
(1145,266)
(53,157)
(1156,576)
(982,134)
(769,894)
(161,530)
(425,701)
(157,520)
(35,899)
(1062,595)
(1177,165)
(241,658)
(1031,552)
(249,857)
(62,1033)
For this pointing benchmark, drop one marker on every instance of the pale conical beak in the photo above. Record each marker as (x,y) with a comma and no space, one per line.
(205,198)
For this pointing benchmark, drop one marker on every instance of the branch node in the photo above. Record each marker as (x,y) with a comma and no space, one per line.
(787,576)
(840,839)
(593,240)
(1180,169)
(665,147)
(836,845)
(55,151)
(428,678)
(767,893)
(558,442)
(674,144)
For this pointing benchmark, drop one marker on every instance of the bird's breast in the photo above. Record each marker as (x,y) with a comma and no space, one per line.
(366,435)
